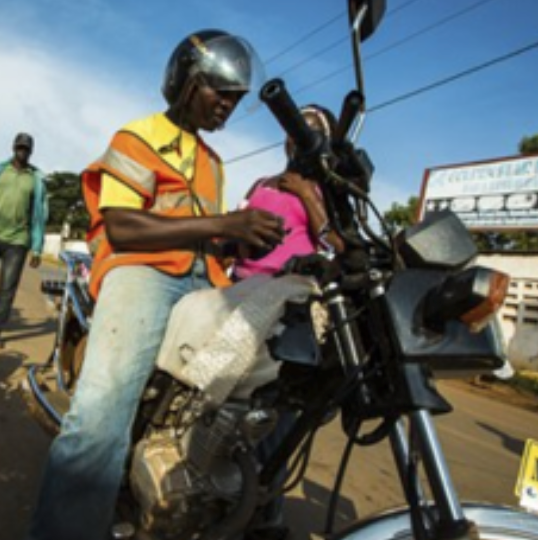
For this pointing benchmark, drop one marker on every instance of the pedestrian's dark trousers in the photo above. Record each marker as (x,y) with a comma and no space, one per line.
(12,258)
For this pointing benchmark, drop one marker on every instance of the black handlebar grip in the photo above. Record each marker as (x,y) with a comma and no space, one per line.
(277,98)
(353,103)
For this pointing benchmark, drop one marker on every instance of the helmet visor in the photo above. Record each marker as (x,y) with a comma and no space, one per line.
(230,64)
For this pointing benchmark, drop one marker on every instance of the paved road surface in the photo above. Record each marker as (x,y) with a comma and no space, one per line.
(483,440)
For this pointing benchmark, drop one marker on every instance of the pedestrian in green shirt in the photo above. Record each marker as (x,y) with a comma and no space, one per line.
(23,213)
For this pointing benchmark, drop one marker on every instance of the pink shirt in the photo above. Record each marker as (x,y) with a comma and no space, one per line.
(296,242)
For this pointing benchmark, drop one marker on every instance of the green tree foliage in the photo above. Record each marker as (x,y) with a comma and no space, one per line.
(400,216)
(528,145)
(497,241)
(65,196)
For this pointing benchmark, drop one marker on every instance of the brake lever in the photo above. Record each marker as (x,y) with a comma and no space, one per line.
(315,265)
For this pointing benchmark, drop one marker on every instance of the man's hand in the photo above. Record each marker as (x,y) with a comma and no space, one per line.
(255,227)
(35,260)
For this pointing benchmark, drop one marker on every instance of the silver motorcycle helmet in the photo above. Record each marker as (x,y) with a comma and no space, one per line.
(220,60)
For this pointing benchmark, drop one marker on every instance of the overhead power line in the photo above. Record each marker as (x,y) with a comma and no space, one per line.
(304,38)
(427,29)
(321,27)
(393,45)
(315,55)
(386,49)
(453,78)
(413,93)
(253,153)
(400,8)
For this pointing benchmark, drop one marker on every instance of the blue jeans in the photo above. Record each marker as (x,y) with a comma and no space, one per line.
(86,461)
(12,259)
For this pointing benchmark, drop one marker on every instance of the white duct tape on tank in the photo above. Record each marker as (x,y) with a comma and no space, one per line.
(215,339)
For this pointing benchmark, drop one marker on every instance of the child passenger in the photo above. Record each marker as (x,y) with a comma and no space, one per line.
(299,202)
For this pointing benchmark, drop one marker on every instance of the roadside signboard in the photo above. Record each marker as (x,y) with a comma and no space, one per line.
(500,194)
(527,481)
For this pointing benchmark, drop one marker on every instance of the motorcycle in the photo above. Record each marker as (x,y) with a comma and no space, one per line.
(69,296)
(400,313)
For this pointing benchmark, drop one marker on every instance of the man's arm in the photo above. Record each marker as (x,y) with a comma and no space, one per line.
(38,219)
(139,230)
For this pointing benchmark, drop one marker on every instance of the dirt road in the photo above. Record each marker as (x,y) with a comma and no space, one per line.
(483,440)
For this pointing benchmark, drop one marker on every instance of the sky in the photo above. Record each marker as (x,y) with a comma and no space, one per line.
(72,73)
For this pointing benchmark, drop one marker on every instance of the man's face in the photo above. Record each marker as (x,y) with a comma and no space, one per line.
(209,109)
(22,154)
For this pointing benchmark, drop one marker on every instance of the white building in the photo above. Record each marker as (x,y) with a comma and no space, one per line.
(53,245)
(519,315)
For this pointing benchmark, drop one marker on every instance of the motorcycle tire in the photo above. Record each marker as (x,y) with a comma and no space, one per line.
(492,522)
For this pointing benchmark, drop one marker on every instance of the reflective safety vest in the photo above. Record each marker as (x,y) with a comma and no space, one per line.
(134,161)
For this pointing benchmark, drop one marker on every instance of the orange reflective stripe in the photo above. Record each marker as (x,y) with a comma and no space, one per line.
(135,162)
(126,168)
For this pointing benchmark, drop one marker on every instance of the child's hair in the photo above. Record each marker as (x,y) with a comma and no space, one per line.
(325,119)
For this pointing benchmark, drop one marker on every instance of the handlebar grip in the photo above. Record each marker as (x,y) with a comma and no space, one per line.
(353,103)
(277,98)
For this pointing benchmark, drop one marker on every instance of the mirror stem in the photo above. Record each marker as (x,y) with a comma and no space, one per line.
(355,28)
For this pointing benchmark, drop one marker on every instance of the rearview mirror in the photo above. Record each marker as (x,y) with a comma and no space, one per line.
(371,10)
(364,18)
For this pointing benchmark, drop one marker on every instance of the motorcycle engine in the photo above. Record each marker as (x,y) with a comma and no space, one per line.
(185,483)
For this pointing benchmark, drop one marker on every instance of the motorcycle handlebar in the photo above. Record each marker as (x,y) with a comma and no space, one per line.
(353,104)
(279,101)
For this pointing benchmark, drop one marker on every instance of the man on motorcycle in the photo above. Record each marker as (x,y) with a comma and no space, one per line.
(155,202)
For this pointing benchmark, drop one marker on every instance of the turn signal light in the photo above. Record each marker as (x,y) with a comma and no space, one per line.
(478,316)
(472,296)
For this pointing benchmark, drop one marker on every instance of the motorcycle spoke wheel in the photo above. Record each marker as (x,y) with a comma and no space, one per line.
(492,523)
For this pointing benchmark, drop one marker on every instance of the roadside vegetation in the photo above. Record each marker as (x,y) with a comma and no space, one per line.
(521,390)
(525,381)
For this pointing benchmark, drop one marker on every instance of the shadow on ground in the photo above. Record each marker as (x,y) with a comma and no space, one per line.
(23,447)
(307,516)
(20,328)
(510,443)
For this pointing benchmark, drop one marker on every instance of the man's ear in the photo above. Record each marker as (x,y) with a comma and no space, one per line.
(181,106)
(188,92)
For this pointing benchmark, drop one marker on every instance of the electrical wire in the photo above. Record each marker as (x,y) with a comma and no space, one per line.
(393,45)
(411,94)
(371,56)
(453,78)
(304,38)
(427,29)
(261,150)
(324,25)
(344,39)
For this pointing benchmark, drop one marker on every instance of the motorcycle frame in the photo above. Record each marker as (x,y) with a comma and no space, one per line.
(75,303)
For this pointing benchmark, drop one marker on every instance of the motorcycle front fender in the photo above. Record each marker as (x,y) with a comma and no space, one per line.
(492,522)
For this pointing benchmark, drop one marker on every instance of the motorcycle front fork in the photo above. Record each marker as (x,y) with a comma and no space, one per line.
(412,445)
